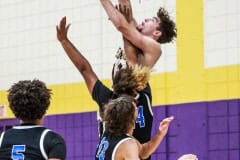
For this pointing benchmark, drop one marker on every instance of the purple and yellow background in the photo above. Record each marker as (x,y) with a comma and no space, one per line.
(198,81)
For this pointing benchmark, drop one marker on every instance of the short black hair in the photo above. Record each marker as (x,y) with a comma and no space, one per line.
(29,100)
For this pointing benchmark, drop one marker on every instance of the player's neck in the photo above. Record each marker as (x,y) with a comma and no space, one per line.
(35,122)
(130,132)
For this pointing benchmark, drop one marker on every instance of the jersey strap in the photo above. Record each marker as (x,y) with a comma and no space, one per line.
(1,138)
(116,147)
(41,143)
(149,104)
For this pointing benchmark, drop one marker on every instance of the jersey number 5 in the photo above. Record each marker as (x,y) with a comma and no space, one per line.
(16,152)
(140,119)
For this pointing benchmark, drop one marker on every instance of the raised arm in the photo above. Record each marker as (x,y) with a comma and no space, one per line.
(132,53)
(149,147)
(128,13)
(149,46)
(75,56)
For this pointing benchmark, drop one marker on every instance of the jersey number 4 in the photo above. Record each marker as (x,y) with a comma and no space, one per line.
(16,152)
(140,119)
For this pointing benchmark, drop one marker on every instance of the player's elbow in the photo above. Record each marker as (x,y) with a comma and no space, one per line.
(144,152)
(144,156)
(82,67)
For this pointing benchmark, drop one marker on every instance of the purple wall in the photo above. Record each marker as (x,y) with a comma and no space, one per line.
(211,130)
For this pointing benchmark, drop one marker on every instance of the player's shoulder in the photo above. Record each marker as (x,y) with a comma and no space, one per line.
(130,143)
(129,149)
(52,138)
(51,134)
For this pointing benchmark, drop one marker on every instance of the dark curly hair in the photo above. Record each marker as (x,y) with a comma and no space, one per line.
(130,80)
(29,100)
(166,26)
(116,121)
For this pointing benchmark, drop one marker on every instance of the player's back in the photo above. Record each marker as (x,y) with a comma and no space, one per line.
(23,142)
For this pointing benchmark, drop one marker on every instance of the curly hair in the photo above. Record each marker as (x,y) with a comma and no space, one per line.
(130,80)
(166,26)
(29,100)
(116,121)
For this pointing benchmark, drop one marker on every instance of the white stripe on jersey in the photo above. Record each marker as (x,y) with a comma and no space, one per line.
(27,127)
(137,96)
(41,143)
(1,138)
(116,147)
(149,104)
(98,116)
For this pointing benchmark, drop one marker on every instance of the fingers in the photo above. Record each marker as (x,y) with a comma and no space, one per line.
(63,23)
(167,120)
(67,27)
(116,6)
(62,29)
(57,29)
(125,9)
(127,12)
(120,8)
(164,125)
(170,118)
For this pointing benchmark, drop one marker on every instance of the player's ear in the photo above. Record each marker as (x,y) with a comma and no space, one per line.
(157,34)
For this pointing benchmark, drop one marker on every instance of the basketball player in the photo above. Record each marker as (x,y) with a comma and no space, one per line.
(146,37)
(131,81)
(148,51)
(117,142)
(29,101)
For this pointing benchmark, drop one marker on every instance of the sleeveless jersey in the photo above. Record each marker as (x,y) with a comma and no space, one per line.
(31,143)
(143,126)
(108,146)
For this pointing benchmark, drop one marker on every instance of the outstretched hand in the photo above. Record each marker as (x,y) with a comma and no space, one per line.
(62,30)
(125,11)
(164,124)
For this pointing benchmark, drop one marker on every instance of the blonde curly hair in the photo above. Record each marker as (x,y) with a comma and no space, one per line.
(131,79)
